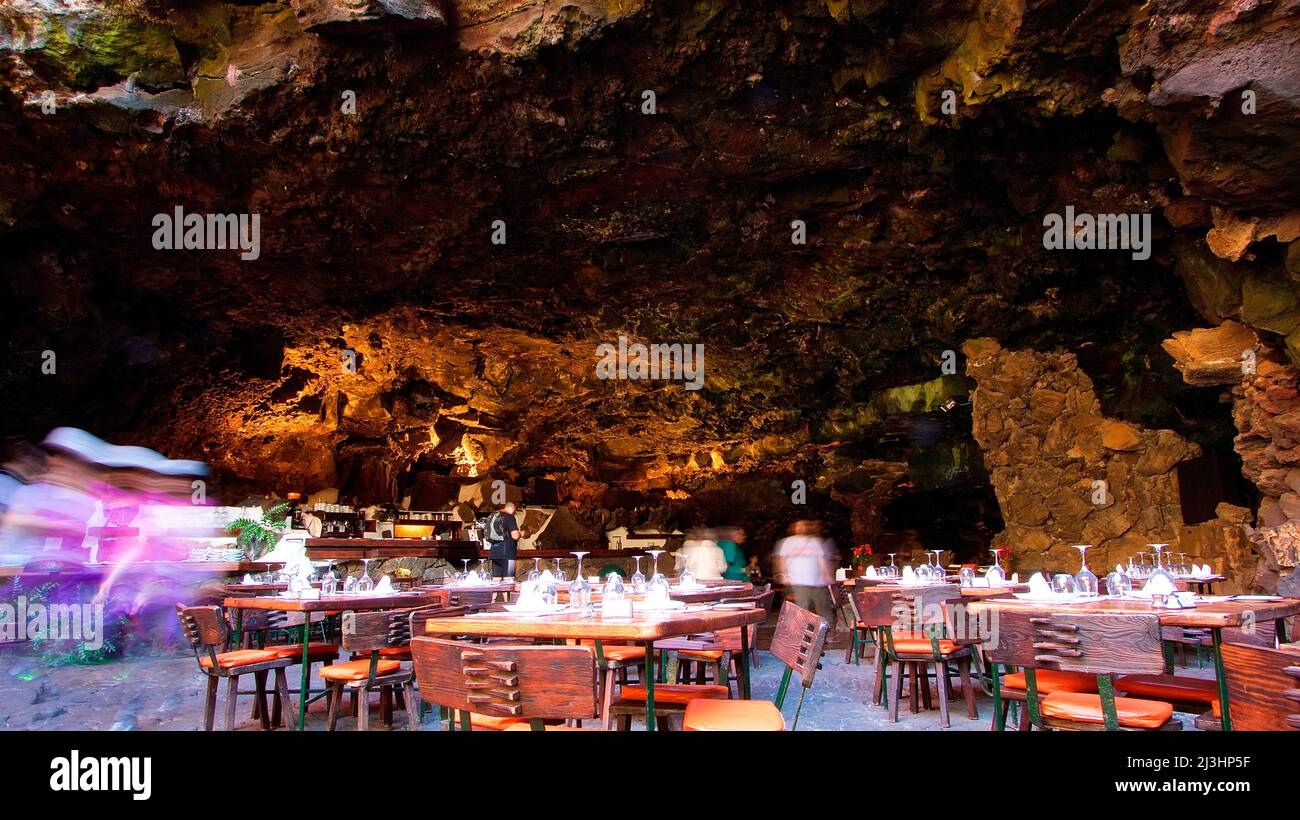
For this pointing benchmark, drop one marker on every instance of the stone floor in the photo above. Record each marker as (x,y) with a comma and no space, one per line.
(166,693)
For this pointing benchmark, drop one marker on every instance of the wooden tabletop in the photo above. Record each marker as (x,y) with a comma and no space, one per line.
(642,626)
(335,603)
(1216,615)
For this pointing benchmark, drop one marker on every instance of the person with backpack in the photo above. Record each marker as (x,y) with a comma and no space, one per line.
(503,536)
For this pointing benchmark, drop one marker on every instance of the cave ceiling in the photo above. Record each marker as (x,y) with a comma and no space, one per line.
(924,228)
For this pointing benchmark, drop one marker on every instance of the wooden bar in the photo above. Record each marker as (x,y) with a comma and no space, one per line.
(356,549)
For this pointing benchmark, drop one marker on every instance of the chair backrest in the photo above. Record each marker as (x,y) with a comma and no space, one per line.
(927,608)
(799,640)
(204,626)
(839,594)
(1263,687)
(534,682)
(1093,643)
(416,617)
(874,605)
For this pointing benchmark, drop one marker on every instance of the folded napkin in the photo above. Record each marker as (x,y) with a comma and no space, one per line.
(870,573)
(385,586)
(248,579)
(1205,570)
(1038,584)
(841,574)
(1159,585)
(530,598)
(546,577)
(909,576)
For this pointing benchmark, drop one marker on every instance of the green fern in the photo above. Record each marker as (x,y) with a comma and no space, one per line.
(257,535)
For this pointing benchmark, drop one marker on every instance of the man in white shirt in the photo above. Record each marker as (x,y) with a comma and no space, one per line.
(806,567)
(702,555)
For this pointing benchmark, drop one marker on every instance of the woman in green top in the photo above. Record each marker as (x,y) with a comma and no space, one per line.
(730,543)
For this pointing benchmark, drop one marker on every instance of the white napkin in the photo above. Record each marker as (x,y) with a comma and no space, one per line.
(1206,570)
(1159,585)
(385,586)
(1120,569)
(545,578)
(248,579)
(841,574)
(909,576)
(530,597)
(870,573)
(1038,585)
(1015,577)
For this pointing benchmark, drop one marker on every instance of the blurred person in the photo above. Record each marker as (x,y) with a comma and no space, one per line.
(703,556)
(729,541)
(804,560)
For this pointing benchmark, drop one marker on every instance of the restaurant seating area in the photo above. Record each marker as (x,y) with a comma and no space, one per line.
(731,660)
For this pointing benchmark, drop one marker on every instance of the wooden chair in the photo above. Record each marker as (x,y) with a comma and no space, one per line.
(799,642)
(371,633)
(1101,645)
(721,650)
(512,687)
(860,635)
(208,633)
(920,646)
(1263,687)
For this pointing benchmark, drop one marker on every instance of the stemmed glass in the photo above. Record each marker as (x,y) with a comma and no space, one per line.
(654,563)
(463,575)
(996,575)
(364,584)
(1160,570)
(534,573)
(892,569)
(580,589)
(483,571)
(687,578)
(614,593)
(967,577)
(1064,584)
(939,575)
(329,582)
(1085,581)
(1118,583)
(559,573)
(638,580)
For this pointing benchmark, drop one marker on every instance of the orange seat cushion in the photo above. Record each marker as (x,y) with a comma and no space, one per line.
(315,651)
(357,670)
(732,716)
(1050,680)
(1134,713)
(701,654)
(239,657)
(677,692)
(494,723)
(623,654)
(524,727)
(395,652)
(1172,687)
(922,646)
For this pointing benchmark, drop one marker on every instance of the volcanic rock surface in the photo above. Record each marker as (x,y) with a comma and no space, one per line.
(647,164)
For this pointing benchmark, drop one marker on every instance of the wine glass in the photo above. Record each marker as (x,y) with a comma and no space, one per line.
(1118,583)
(939,575)
(687,579)
(580,589)
(654,563)
(463,575)
(364,584)
(1064,584)
(534,573)
(615,592)
(1084,579)
(1160,571)
(656,592)
(892,569)
(559,573)
(638,580)
(967,577)
(483,572)
(996,575)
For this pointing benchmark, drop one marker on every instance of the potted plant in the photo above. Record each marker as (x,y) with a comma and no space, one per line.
(258,535)
(861,556)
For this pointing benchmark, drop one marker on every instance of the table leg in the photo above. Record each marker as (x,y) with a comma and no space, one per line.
(1226,721)
(743,666)
(650,686)
(303,691)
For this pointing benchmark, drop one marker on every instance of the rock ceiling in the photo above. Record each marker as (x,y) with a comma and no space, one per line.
(379,142)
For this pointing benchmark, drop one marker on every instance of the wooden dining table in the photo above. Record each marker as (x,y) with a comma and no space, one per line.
(331,603)
(644,627)
(1214,616)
